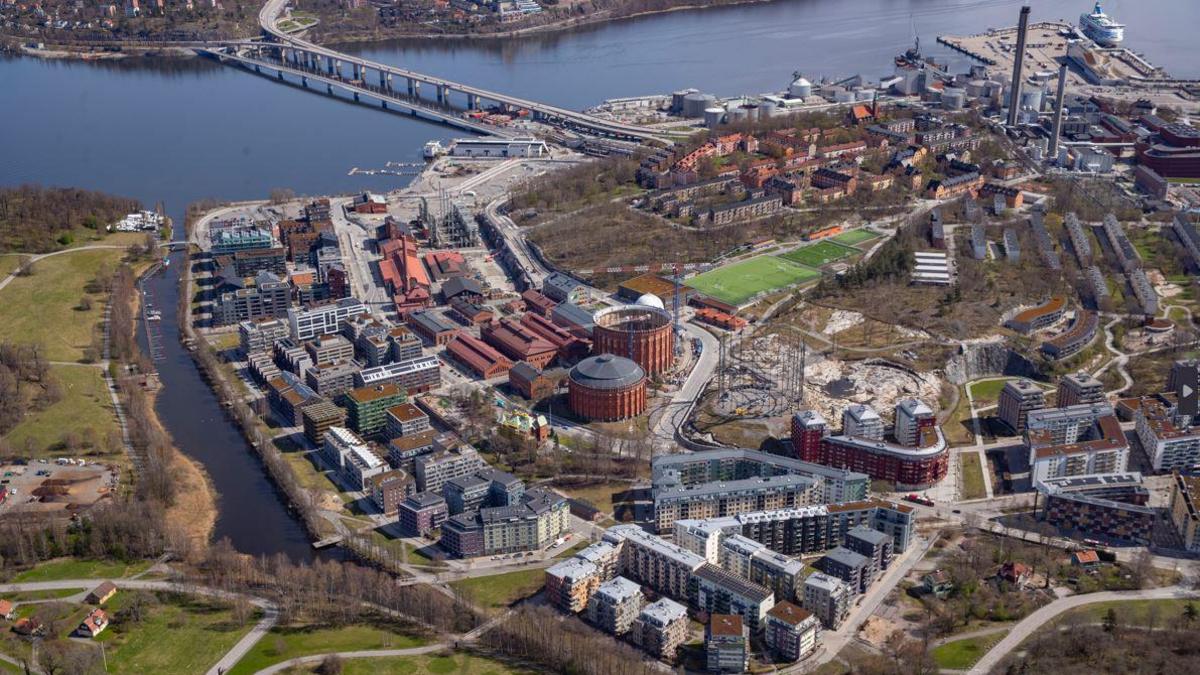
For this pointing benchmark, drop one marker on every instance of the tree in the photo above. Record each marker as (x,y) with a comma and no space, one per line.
(1190,612)
(1110,622)
(330,665)
(85,304)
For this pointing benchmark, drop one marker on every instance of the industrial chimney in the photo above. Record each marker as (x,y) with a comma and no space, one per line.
(1014,102)
(1056,132)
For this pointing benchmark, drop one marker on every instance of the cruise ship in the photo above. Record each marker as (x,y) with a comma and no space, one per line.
(1101,28)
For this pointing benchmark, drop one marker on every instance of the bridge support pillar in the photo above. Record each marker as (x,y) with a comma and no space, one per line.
(256,68)
(472,102)
(356,97)
(304,82)
(279,74)
(329,65)
(414,88)
(329,89)
(357,71)
(443,94)
(384,104)
(385,81)
(337,69)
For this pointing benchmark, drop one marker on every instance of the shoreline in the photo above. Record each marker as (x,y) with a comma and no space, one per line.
(333,41)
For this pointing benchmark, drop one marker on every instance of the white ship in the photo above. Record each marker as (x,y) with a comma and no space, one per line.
(1101,28)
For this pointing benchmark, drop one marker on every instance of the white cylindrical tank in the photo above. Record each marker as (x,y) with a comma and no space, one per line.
(767,110)
(953,98)
(712,117)
(737,114)
(694,104)
(751,112)
(1031,99)
(800,88)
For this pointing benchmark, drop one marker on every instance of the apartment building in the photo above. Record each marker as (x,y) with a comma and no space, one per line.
(366,408)
(1017,399)
(717,591)
(260,335)
(726,644)
(615,605)
(852,568)
(791,632)
(433,470)
(414,375)
(307,323)
(353,459)
(318,417)
(406,419)
(389,489)
(649,560)
(861,421)
(828,598)
(709,500)
(873,544)
(267,297)
(570,584)
(913,417)
(331,380)
(1074,441)
(1185,509)
(331,348)
(1079,389)
(534,524)
(421,513)
(465,494)
(660,628)
(1168,439)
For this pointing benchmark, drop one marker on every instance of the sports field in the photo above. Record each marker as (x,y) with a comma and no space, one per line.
(854,237)
(739,282)
(820,253)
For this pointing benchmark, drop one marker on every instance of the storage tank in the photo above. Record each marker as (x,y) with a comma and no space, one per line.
(712,117)
(677,99)
(751,112)
(695,103)
(767,110)
(737,114)
(953,98)
(800,88)
(1031,99)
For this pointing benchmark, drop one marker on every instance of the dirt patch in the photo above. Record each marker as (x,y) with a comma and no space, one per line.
(194,513)
(877,630)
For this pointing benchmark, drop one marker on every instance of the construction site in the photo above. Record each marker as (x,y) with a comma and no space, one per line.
(60,488)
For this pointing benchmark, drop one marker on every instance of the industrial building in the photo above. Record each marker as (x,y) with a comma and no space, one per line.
(477,356)
(641,332)
(607,388)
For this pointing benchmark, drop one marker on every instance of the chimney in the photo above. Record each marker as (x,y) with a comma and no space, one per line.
(1014,102)
(1056,132)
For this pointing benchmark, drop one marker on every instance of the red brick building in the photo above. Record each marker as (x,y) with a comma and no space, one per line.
(607,388)
(519,343)
(478,356)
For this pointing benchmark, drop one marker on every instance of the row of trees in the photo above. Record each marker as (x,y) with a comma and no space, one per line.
(25,383)
(564,645)
(333,592)
(125,529)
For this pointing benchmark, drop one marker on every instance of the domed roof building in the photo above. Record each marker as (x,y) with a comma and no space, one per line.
(607,388)
(650,300)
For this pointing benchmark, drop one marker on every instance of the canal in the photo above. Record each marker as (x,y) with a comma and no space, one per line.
(180,131)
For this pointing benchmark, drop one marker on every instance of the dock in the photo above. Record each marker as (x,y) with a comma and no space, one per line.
(328,541)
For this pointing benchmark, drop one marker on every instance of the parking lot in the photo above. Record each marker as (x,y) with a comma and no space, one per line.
(49,487)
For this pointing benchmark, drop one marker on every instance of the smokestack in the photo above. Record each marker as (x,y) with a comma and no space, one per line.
(1056,133)
(1014,102)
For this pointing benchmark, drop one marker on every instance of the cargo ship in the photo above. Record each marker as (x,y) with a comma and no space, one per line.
(1101,28)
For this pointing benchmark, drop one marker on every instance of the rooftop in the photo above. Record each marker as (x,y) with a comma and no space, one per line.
(618,589)
(607,371)
(726,625)
(789,613)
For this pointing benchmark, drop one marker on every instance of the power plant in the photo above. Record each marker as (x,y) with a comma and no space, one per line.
(1014,101)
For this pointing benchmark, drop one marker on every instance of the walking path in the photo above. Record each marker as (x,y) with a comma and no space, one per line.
(1034,621)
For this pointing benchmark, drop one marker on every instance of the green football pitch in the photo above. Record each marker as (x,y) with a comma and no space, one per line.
(820,253)
(741,281)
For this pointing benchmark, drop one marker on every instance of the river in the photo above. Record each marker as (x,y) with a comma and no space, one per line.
(179,131)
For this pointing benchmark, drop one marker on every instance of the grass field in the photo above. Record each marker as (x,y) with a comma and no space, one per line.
(284,643)
(42,308)
(987,392)
(741,281)
(1133,612)
(50,594)
(9,263)
(182,634)
(496,593)
(820,253)
(85,409)
(855,237)
(972,476)
(962,654)
(71,568)
(425,664)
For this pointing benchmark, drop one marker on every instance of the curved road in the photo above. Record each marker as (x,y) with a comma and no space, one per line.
(264,625)
(1034,621)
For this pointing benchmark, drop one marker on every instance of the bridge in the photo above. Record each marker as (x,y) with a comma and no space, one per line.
(283,53)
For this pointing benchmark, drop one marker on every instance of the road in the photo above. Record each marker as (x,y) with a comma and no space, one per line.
(674,414)
(227,661)
(1034,621)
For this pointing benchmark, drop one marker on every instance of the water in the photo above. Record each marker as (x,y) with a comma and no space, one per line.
(181,131)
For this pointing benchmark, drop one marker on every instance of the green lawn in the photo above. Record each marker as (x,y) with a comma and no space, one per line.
(737,283)
(389,536)
(496,593)
(42,308)
(50,594)
(820,253)
(182,634)
(962,654)
(85,409)
(426,664)
(972,476)
(1135,612)
(9,263)
(72,568)
(854,237)
(284,643)
(987,392)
